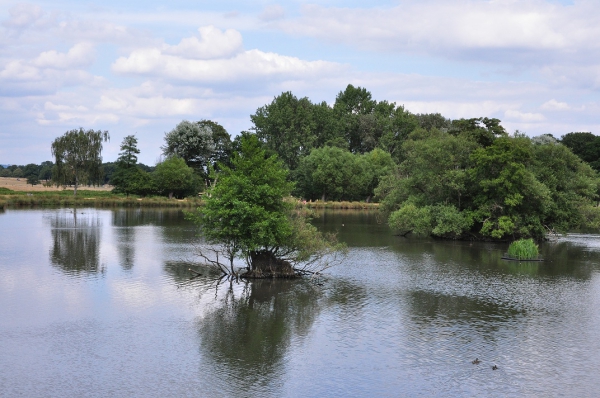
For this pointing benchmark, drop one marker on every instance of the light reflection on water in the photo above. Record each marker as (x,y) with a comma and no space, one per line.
(100,302)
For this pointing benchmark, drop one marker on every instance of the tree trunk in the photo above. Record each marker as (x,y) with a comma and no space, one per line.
(263,264)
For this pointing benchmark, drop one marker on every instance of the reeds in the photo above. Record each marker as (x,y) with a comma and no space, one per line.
(523,249)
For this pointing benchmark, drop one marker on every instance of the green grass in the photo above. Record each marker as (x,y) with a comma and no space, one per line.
(89,199)
(339,205)
(523,249)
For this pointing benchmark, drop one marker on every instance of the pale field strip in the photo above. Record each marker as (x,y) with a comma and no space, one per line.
(20,184)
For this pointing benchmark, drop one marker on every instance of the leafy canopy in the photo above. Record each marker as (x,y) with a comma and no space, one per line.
(479,182)
(77,157)
(248,212)
(245,208)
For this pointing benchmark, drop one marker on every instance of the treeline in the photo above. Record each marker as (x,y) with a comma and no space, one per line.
(42,173)
(433,175)
(34,173)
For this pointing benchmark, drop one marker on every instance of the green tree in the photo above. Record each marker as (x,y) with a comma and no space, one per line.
(133,180)
(367,124)
(78,158)
(354,108)
(173,177)
(450,185)
(247,215)
(129,151)
(585,145)
(430,121)
(222,144)
(510,201)
(194,143)
(18,172)
(482,130)
(331,173)
(292,127)
(33,179)
(45,171)
(127,178)
(31,169)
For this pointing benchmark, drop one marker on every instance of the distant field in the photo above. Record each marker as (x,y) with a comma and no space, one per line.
(20,184)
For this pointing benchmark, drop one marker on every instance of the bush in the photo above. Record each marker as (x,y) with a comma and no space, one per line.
(523,249)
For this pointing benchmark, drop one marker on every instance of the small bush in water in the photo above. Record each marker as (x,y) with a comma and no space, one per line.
(523,249)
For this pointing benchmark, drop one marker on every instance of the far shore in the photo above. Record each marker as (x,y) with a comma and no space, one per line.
(21,185)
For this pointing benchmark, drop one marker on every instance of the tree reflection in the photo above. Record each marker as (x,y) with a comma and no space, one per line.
(123,220)
(76,241)
(249,333)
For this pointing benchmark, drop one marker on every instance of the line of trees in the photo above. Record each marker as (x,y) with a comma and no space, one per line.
(433,175)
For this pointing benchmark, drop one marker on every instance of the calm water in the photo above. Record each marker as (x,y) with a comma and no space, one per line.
(100,303)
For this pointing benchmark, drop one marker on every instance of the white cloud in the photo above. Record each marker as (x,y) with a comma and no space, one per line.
(80,55)
(497,31)
(251,64)
(554,105)
(47,55)
(526,117)
(213,44)
(23,16)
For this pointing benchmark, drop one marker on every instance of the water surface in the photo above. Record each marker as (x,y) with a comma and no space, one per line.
(100,303)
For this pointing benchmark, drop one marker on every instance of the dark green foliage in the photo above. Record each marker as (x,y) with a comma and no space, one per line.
(174,178)
(129,151)
(246,206)
(291,127)
(584,145)
(457,185)
(31,169)
(367,124)
(33,180)
(45,171)
(133,180)
(108,169)
(77,157)
(247,215)
(127,177)
(482,130)
(430,121)
(17,173)
(331,173)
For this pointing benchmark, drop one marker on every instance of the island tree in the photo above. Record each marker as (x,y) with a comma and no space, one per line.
(77,156)
(249,214)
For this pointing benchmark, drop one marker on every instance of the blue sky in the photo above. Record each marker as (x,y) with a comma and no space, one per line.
(142,67)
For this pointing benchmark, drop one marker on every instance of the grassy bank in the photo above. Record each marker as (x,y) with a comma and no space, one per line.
(343,205)
(95,198)
(87,198)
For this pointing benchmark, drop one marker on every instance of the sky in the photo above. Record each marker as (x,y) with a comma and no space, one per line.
(141,67)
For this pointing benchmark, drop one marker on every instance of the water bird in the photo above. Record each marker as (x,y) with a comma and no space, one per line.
(494,367)
(476,361)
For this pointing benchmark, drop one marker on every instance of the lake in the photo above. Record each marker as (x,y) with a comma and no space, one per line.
(101,303)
